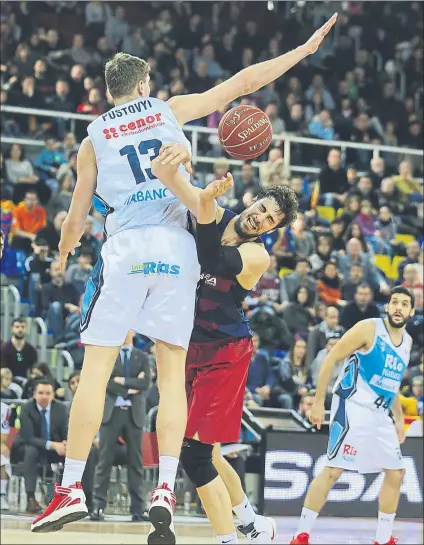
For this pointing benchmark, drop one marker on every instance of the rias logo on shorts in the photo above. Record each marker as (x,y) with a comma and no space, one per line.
(155,268)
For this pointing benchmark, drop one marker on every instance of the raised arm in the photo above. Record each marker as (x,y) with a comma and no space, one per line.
(360,336)
(250,79)
(73,226)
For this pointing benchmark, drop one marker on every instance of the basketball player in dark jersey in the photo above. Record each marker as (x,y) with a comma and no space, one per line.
(233,259)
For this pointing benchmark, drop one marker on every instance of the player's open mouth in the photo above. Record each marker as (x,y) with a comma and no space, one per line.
(251,223)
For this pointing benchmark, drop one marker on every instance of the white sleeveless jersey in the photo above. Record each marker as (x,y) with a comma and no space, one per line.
(5,412)
(126,139)
(373,378)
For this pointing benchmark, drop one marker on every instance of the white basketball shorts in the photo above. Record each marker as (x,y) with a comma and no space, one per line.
(144,280)
(362,439)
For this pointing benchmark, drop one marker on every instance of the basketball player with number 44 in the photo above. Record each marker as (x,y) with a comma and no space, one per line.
(146,276)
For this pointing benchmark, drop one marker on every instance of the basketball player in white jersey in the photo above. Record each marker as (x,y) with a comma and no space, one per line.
(5,468)
(367,424)
(147,274)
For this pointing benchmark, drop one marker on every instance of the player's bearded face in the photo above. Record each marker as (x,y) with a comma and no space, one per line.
(399,311)
(260,217)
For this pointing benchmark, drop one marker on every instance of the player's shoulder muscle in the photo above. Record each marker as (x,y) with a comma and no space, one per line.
(255,260)
(361,335)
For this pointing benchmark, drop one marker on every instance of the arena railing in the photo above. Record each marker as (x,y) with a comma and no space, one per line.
(288,140)
(11,308)
(38,336)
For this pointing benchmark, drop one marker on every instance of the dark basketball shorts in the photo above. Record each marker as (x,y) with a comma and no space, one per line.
(216,375)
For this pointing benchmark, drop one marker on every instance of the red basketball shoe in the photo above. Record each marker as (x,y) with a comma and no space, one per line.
(161,514)
(67,505)
(300,539)
(392,541)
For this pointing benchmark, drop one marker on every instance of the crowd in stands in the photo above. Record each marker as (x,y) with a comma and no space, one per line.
(333,267)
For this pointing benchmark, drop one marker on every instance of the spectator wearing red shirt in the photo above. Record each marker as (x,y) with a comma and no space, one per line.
(329,285)
(28,218)
(94,105)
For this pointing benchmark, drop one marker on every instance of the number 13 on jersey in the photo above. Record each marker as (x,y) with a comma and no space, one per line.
(148,151)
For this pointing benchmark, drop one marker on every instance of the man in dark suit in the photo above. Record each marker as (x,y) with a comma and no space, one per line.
(41,438)
(361,308)
(124,415)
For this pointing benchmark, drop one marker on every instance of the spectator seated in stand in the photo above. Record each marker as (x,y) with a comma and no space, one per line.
(329,285)
(356,275)
(322,255)
(18,355)
(71,340)
(331,341)
(297,315)
(305,405)
(333,180)
(260,378)
(51,233)
(29,218)
(412,281)
(20,173)
(362,308)
(37,267)
(9,389)
(48,162)
(58,300)
(77,274)
(294,379)
(42,370)
(42,437)
(317,338)
(267,290)
(412,255)
(272,330)
(300,277)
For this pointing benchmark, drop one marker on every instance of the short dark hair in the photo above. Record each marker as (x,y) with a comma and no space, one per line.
(19,320)
(43,381)
(286,200)
(404,291)
(363,285)
(31,192)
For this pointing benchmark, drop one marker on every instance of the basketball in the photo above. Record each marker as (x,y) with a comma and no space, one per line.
(245,132)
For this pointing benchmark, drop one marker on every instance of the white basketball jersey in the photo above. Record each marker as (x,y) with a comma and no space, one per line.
(373,378)
(5,412)
(126,139)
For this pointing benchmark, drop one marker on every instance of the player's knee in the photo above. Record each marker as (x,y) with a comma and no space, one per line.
(196,458)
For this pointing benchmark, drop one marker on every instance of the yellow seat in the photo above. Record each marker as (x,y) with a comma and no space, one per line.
(395,266)
(284,271)
(383,263)
(340,212)
(326,212)
(406,239)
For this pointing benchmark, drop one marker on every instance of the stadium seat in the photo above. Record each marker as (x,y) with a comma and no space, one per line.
(395,266)
(339,212)
(326,212)
(284,271)
(383,263)
(406,239)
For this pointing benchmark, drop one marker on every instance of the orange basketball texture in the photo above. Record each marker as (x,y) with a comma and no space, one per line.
(245,132)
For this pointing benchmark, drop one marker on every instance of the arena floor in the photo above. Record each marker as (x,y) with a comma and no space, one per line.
(116,530)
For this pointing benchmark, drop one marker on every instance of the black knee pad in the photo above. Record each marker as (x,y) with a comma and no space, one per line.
(196,458)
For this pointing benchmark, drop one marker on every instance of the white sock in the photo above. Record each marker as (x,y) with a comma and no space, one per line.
(168,466)
(73,471)
(384,527)
(3,489)
(307,519)
(244,512)
(229,538)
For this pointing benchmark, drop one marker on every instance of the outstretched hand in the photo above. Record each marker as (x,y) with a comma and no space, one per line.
(316,39)
(175,154)
(217,188)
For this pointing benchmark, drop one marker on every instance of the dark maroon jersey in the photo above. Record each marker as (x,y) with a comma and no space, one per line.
(219,312)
